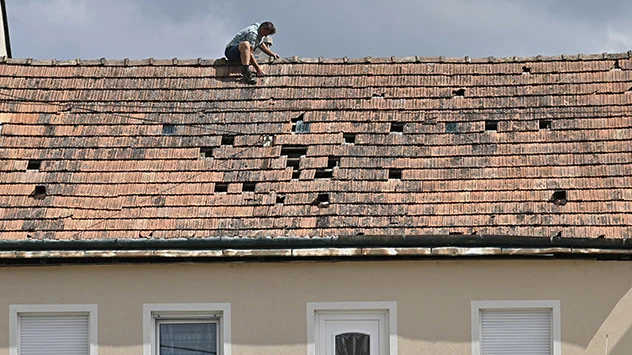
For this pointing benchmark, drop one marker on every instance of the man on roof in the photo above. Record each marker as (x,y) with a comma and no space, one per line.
(242,47)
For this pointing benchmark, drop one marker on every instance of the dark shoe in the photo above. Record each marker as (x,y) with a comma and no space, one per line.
(248,76)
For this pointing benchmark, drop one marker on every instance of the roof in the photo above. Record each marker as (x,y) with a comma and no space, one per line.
(162,149)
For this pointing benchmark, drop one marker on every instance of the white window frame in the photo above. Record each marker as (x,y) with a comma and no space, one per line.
(183,311)
(390,308)
(553,305)
(56,309)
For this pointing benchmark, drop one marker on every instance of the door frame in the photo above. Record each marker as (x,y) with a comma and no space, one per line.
(389,309)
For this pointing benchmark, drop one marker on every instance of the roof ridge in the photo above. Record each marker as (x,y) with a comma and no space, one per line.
(319,60)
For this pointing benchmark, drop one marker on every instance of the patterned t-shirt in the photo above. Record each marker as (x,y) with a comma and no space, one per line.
(249,34)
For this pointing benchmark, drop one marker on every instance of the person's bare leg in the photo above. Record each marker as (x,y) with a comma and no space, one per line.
(245,52)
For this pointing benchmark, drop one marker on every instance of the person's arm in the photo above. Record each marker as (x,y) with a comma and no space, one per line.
(254,63)
(265,49)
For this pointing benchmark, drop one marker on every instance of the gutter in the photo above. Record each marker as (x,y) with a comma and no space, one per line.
(296,248)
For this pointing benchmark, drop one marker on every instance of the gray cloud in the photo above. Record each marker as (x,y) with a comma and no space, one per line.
(66,29)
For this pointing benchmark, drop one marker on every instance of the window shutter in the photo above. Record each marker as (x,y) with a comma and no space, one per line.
(516,332)
(53,334)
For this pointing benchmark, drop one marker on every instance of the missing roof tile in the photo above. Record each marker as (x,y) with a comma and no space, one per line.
(349,138)
(1,127)
(294,154)
(299,125)
(294,151)
(206,152)
(280,199)
(397,127)
(228,140)
(39,193)
(324,174)
(34,165)
(333,162)
(322,201)
(249,187)
(380,95)
(617,66)
(559,198)
(168,129)
(491,125)
(546,124)
(221,187)
(451,127)
(526,70)
(458,93)
(394,174)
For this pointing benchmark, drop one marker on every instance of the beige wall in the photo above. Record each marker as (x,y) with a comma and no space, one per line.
(268,301)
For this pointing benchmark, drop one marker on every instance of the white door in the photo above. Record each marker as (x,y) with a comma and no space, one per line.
(351,333)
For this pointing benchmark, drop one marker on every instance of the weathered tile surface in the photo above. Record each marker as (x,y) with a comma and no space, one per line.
(320,147)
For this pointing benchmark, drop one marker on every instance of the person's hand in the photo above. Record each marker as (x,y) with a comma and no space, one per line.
(260,72)
(274,55)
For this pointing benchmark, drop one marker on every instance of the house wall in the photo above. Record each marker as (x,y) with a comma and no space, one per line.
(268,301)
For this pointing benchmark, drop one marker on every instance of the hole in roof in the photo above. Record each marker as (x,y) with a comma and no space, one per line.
(299,125)
(324,174)
(394,174)
(280,199)
(526,70)
(221,187)
(228,140)
(617,66)
(333,162)
(34,165)
(459,93)
(1,127)
(451,127)
(322,201)
(397,127)
(559,198)
(360,233)
(491,125)
(39,193)
(349,138)
(294,151)
(267,140)
(168,129)
(294,154)
(206,152)
(546,124)
(249,187)
(379,95)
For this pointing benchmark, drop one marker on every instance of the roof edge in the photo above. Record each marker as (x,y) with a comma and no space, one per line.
(127,62)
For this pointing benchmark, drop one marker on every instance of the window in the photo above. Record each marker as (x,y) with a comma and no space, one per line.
(516,327)
(360,328)
(186,329)
(53,329)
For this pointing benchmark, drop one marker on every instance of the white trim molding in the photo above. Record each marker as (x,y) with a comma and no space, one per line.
(184,310)
(553,305)
(388,308)
(16,309)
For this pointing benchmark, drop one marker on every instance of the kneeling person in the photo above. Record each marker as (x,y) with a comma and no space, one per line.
(242,47)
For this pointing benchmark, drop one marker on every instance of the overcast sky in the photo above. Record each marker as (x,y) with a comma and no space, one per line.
(164,29)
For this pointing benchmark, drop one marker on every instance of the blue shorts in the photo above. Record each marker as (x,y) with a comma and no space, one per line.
(233,54)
